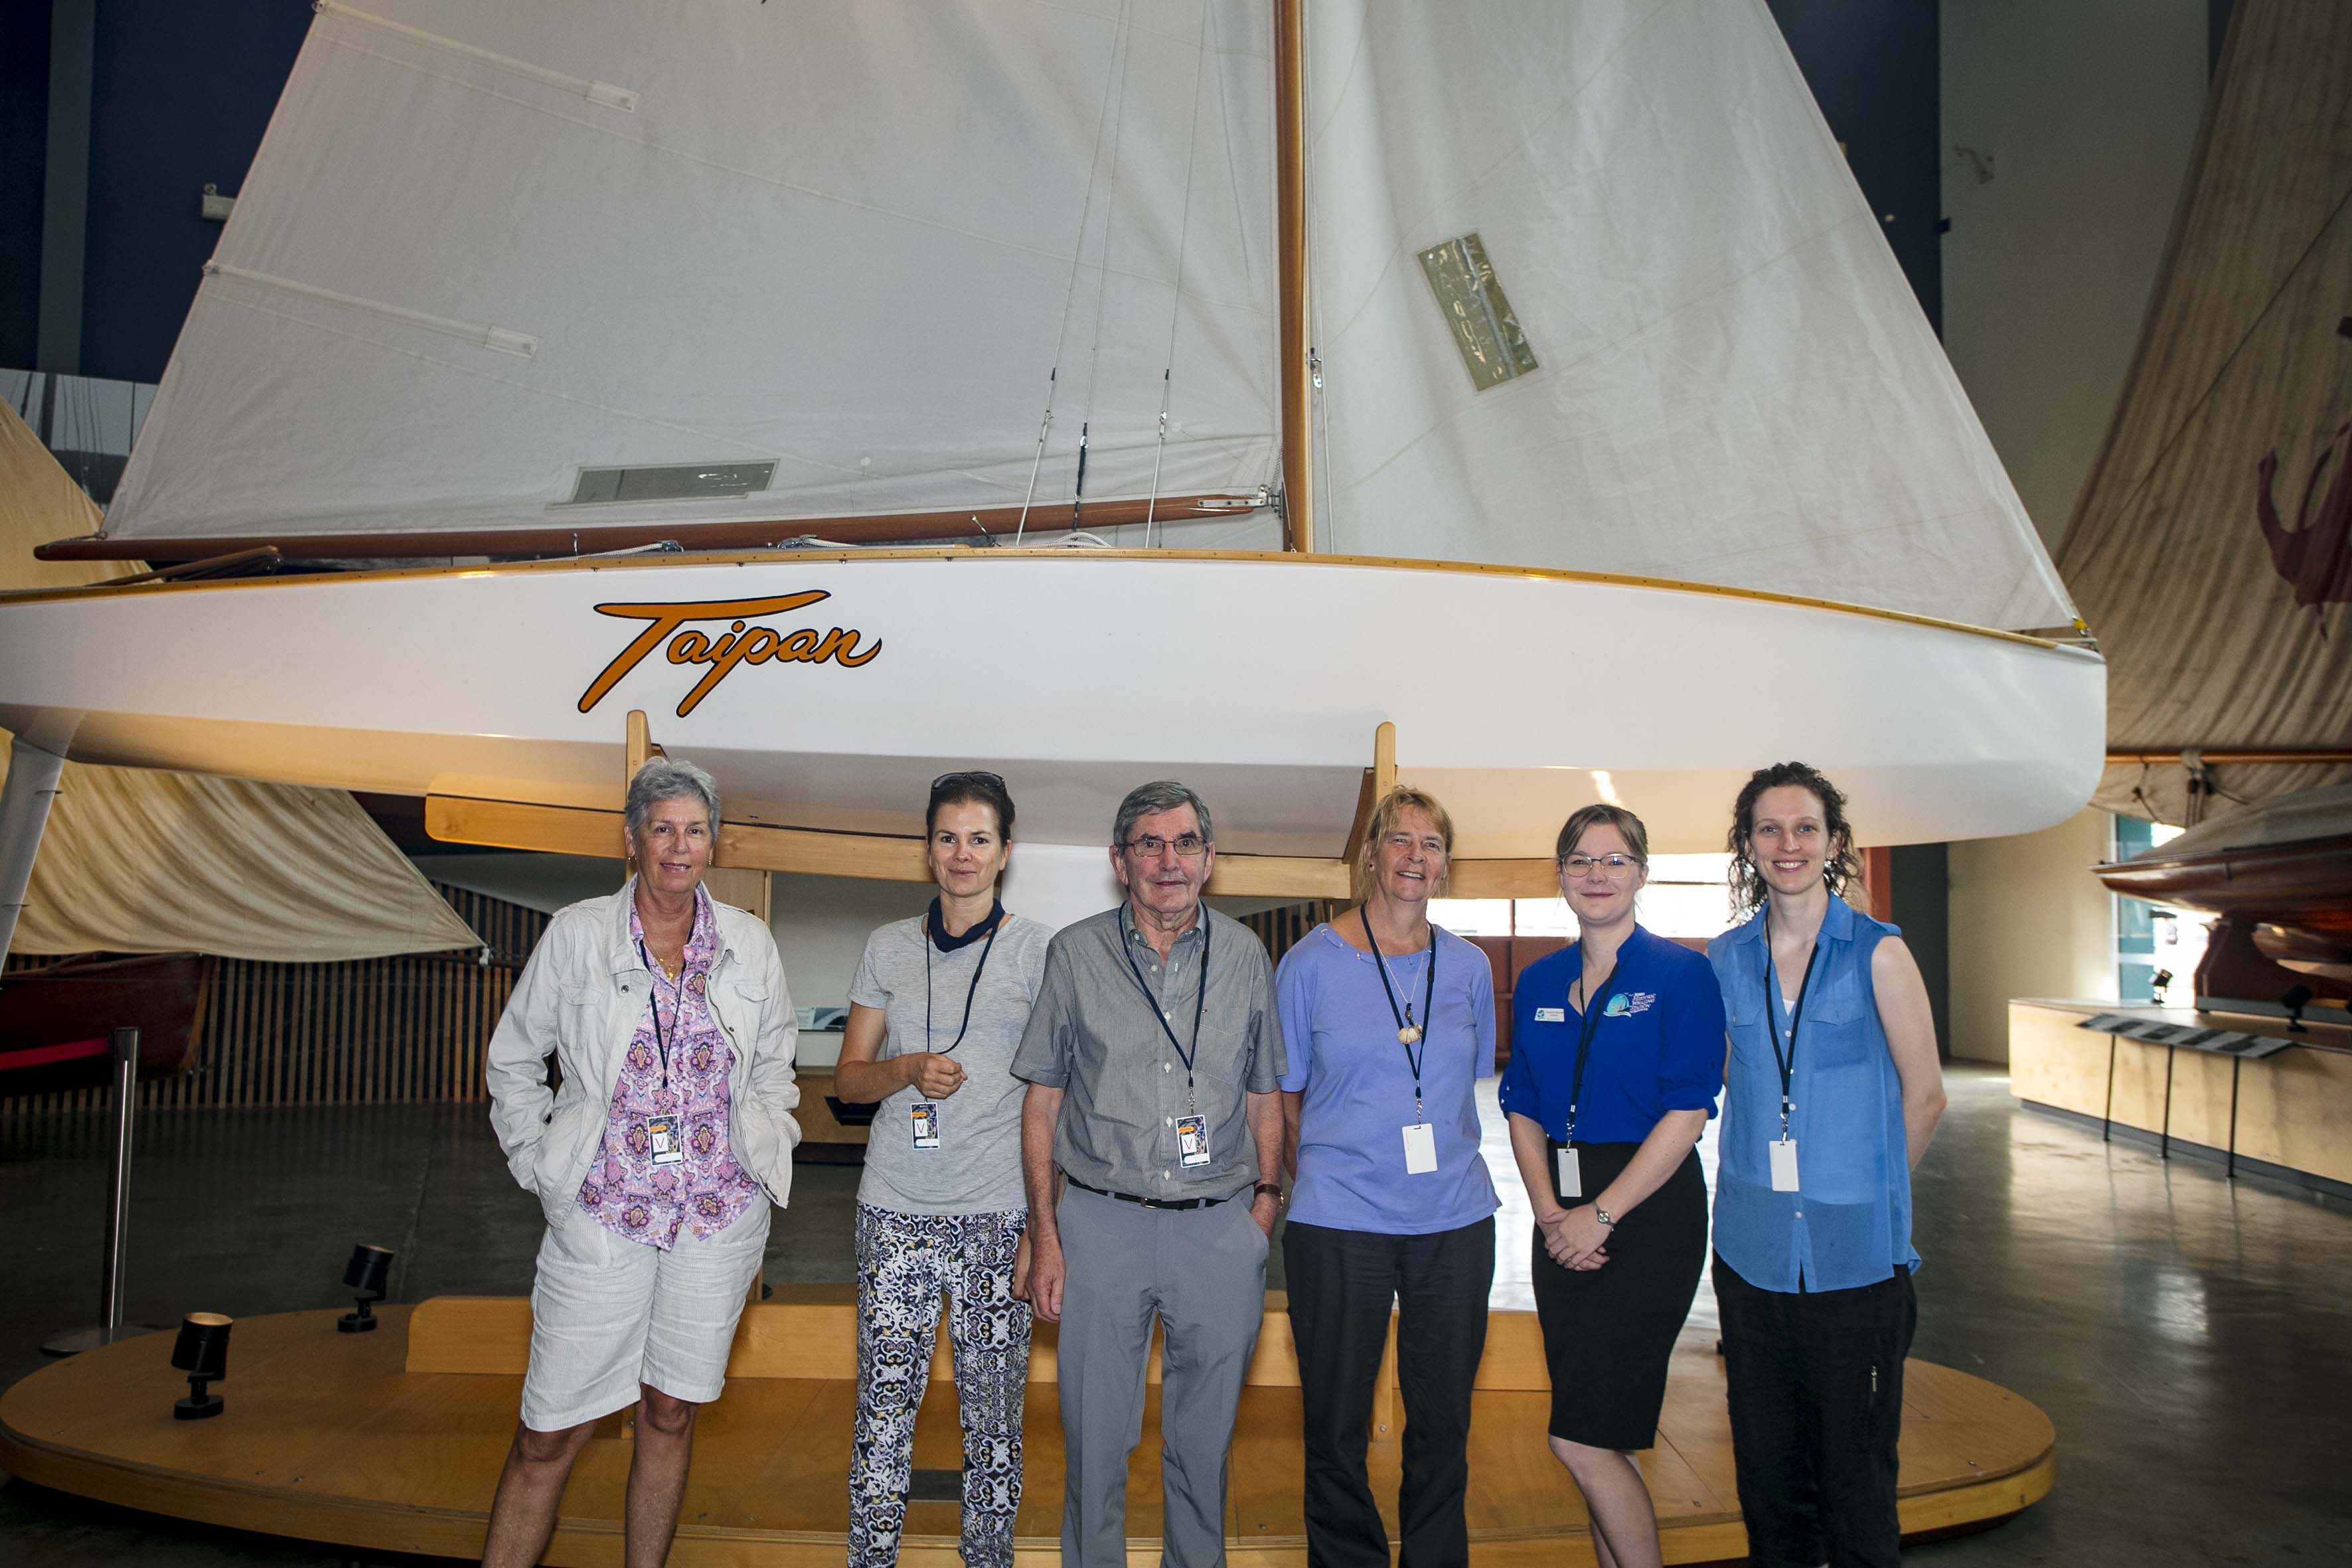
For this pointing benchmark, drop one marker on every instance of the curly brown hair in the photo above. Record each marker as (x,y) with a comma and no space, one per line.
(1840,868)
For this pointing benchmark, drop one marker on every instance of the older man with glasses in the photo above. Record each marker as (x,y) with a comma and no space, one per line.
(1152,1058)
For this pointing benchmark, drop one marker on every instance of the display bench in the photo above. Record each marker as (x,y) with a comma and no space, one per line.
(2242,1089)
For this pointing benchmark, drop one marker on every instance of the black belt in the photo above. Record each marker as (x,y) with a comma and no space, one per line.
(1149,1203)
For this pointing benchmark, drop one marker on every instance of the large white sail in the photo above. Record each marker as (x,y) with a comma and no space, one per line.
(1732,384)
(487,249)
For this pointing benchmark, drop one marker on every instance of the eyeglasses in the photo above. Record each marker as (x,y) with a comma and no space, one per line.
(1188,846)
(1611,866)
(971,776)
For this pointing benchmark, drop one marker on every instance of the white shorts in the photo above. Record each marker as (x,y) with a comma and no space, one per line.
(608,1313)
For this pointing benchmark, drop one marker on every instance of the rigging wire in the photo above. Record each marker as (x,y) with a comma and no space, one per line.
(1102,282)
(1078,252)
(1176,304)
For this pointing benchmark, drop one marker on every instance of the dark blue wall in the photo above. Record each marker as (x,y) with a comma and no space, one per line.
(181,93)
(1871,65)
(23,132)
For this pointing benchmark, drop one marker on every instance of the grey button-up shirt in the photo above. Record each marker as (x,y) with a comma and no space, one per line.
(1095,1034)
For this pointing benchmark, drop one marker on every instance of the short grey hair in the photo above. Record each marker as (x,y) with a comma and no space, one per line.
(664,779)
(1160,795)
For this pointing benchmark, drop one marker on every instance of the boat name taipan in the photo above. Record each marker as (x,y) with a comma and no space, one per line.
(740,643)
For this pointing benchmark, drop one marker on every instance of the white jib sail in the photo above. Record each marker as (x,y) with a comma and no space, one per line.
(1733,382)
(484,248)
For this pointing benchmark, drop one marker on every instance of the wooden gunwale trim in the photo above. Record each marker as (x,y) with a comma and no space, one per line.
(1057,552)
(751,533)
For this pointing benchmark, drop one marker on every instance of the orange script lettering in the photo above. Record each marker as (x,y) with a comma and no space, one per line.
(734,647)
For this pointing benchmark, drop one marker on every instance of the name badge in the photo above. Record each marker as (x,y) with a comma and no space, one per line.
(661,1137)
(1572,1179)
(1192,1140)
(1420,1149)
(1551,1014)
(927,1124)
(1784,1164)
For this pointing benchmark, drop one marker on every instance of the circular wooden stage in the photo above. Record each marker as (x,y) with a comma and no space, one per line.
(393,1440)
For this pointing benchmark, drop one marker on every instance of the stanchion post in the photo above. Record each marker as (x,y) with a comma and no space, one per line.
(111,1283)
(2235,1063)
(2107,1110)
(2164,1144)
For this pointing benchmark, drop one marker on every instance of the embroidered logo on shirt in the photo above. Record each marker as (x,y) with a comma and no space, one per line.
(1625,1003)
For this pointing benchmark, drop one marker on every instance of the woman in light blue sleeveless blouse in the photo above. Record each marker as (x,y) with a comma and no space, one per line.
(1832,1093)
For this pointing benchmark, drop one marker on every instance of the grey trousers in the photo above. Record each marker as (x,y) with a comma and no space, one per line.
(1203,1272)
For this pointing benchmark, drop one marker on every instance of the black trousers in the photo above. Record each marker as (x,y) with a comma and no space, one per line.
(1340,1284)
(1816,1396)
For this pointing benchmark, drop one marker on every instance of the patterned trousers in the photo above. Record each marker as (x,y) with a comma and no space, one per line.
(906,1263)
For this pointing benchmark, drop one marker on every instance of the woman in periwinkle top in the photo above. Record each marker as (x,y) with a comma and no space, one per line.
(1616,1058)
(936,1012)
(1392,1022)
(1834,1091)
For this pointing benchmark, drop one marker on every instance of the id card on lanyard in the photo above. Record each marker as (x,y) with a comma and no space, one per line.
(1191,1128)
(1783,1150)
(924,1114)
(1419,1137)
(1569,1169)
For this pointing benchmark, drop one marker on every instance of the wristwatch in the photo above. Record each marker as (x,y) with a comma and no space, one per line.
(1603,1215)
(1263,1188)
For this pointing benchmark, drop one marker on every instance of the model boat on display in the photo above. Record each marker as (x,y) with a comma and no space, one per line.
(2280,876)
(1092,393)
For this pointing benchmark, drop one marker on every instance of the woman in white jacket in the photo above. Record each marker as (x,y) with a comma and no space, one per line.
(656,1160)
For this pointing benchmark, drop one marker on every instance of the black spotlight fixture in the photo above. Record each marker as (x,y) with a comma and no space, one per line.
(2296,999)
(201,1352)
(365,1274)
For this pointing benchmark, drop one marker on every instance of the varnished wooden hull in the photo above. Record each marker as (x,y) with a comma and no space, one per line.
(55,1023)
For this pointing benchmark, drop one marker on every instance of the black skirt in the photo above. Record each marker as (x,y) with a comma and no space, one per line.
(1608,1334)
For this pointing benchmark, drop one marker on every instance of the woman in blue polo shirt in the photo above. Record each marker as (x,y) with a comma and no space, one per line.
(1616,1058)
(1390,1024)
(1834,1091)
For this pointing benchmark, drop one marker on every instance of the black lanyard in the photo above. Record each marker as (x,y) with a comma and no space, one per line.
(995,923)
(1787,1062)
(1199,999)
(676,1001)
(1587,1021)
(1404,1019)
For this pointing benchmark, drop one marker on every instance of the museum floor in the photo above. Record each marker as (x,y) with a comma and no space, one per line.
(2188,1337)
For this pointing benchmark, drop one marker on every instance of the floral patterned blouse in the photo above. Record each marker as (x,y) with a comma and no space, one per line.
(705,1190)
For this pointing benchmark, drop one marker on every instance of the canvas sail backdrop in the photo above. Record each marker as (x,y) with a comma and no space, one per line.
(2212,547)
(1732,384)
(499,265)
(136,860)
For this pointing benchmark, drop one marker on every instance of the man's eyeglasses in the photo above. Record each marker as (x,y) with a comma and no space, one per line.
(1608,865)
(970,775)
(1151,846)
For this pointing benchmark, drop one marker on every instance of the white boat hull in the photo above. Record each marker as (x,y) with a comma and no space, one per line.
(1517,696)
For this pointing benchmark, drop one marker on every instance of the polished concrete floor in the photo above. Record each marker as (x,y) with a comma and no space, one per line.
(2189,1336)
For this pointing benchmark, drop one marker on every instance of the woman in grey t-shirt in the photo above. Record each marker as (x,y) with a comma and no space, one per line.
(935,1013)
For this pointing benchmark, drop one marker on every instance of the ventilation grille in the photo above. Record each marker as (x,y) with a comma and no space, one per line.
(671,481)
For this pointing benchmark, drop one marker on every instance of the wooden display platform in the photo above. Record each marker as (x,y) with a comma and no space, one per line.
(393,1440)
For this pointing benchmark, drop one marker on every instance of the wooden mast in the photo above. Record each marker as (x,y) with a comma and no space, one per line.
(1290,230)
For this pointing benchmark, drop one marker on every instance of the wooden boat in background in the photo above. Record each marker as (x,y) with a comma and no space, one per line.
(56,1022)
(2280,876)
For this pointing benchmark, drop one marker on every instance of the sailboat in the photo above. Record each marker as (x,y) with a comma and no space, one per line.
(1517,399)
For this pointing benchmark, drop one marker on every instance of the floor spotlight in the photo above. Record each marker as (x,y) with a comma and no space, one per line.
(365,1274)
(201,1352)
